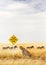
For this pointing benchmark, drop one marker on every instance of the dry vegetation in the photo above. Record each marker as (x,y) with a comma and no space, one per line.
(15,56)
(22,62)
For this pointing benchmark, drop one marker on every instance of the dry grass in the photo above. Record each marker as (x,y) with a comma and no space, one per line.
(38,55)
(22,62)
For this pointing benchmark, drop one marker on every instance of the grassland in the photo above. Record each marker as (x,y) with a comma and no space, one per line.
(38,56)
(22,62)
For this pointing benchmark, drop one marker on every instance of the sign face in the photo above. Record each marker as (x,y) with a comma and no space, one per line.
(13,39)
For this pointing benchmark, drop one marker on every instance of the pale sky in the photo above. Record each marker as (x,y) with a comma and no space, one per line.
(26,19)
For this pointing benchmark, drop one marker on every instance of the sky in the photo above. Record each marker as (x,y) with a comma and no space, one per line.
(26,19)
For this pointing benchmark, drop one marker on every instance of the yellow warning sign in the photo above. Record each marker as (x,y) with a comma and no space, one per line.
(13,39)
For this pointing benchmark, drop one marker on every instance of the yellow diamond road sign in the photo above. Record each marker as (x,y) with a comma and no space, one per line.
(13,39)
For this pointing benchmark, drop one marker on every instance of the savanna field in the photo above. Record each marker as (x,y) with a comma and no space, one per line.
(14,56)
(22,62)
